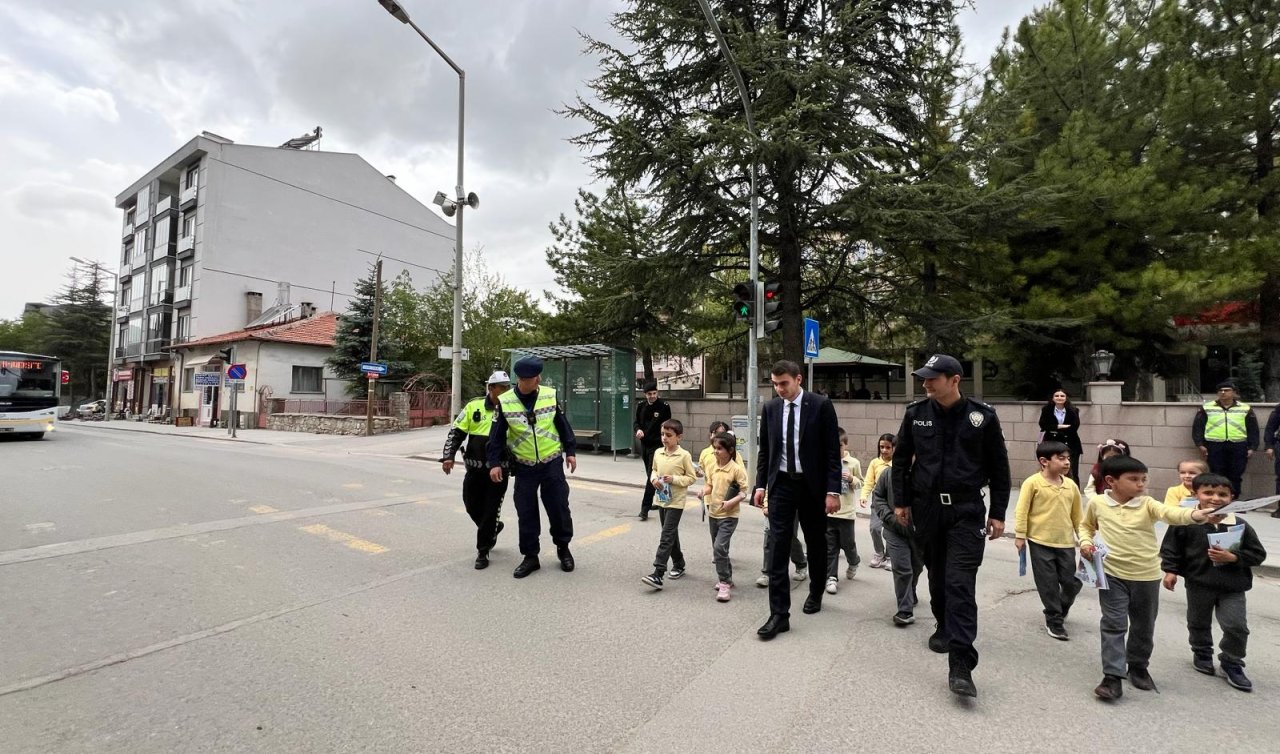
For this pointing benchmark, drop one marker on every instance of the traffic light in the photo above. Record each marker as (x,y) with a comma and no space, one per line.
(771,296)
(225,355)
(744,303)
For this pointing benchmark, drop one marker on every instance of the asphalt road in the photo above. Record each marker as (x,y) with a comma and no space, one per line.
(162,594)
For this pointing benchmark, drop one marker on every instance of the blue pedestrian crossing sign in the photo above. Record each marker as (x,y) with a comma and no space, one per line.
(237,372)
(810,338)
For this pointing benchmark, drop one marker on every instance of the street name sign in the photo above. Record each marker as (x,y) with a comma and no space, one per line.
(373,367)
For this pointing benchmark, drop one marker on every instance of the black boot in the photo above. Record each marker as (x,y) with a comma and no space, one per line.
(527,566)
(566,558)
(482,560)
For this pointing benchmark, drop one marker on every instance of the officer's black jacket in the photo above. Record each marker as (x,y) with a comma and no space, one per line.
(649,419)
(956,451)
(475,453)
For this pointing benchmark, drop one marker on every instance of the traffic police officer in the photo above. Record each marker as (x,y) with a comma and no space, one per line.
(948,448)
(531,424)
(481,495)
(1226,432)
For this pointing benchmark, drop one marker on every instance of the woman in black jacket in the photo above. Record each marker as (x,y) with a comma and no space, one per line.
(1059,420)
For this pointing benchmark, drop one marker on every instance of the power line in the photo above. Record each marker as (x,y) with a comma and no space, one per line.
(401,261)
(268,280)
(331,198)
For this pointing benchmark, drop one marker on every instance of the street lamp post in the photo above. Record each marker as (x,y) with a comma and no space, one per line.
(398,11)
(111,333)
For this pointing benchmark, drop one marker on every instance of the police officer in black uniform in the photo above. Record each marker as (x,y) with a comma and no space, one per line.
(949,447)
(481,495)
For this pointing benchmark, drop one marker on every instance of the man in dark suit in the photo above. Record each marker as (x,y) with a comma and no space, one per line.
(799,464)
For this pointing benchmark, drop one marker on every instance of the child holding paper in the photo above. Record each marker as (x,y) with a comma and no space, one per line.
(1045,523)
(1125,517)
(1217,560)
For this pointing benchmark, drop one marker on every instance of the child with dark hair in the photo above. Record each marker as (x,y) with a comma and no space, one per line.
(1046,520)
(708,455)
(1217,578)
(672,474)
(840,524)
(1106,449)
(882,462)
(1125,518)
(723,494)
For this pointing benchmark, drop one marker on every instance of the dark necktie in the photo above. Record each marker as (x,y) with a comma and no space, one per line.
(791,438)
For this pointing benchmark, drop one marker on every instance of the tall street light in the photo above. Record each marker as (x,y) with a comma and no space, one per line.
(111,332)
(449,206)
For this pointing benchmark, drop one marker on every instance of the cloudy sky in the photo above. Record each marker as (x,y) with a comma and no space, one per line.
(93,94)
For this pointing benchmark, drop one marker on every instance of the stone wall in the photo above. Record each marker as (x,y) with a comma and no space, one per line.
(329,424)
(1158,433)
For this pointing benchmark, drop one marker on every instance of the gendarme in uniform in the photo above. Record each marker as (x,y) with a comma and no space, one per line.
(1226,431)
(949,448)
(481,495)
(531,425)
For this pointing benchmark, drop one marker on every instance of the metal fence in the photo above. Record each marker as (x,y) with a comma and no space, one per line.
(344,407)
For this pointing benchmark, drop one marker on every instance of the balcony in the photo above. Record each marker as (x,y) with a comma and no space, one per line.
(157,345)
(131,350)
(165,204)
(142,216)
(186,244)
(182,293)
(188,197)
(160,297)
(122,310)
(128,231)
(181,339)
(162,250)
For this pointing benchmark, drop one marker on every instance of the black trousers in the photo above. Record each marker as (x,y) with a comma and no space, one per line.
(646,503)
(1075,468)
(788,499)
(1229,459)
(483,501)
(549,478)
(953,547)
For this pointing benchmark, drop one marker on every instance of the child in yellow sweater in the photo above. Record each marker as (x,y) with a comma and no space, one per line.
(672,474)
(884,448)
(1187,471)
(724,492)
(1125,517)
(1048,515)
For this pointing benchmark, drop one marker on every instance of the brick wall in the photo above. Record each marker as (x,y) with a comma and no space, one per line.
(1158,433)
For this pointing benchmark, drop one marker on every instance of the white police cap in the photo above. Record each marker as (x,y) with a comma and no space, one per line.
(499,378)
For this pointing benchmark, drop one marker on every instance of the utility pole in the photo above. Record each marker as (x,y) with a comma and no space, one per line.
(234,391)
(373,348)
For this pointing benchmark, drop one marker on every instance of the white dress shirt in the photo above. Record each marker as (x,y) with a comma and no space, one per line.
(782,462)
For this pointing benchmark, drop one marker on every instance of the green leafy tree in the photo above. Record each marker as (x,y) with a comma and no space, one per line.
(25,334)
(354,336)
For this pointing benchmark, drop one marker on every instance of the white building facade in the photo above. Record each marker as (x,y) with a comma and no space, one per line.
(219,232)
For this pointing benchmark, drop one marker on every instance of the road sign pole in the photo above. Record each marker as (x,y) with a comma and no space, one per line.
(234,394)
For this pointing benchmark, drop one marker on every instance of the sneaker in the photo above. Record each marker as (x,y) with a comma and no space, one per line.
(722,592)
(1110,688)
(675,573)
(886,564)
(654,580)
(938,643)
(850,571)
(1203,663)
(800,575)
(876,560)
(1236,677)
(903,619)
(832,585)
(1139,678)
(1057,631)
(763,581)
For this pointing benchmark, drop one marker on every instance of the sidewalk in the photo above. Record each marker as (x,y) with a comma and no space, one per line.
(603,468)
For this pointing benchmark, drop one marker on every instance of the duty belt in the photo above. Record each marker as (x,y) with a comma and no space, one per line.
(544,459)
(958,498)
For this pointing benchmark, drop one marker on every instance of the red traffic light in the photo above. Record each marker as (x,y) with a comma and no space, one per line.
(66,377)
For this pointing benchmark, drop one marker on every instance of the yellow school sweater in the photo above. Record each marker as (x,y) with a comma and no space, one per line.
(874,468)
(1130,534)
(848,494)
(1176,494)
(707,459)
(1048,514)
(679,464)
(720,478)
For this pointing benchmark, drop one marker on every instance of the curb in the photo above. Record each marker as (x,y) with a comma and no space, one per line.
(178,434)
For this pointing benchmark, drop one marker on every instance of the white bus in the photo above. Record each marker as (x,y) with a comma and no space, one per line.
(30,386)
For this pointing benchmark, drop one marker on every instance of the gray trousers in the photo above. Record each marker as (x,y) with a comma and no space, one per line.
(797,549)
(1128,607)
(669,542)
(1054,570)
(907,565)
(877,535)
(840,537)
(1201,604)
(722,530)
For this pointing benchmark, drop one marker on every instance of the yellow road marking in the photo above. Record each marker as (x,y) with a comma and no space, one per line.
(605,534)
(343,538)
(353,486)
(262,509)
(611,489)
(378,512)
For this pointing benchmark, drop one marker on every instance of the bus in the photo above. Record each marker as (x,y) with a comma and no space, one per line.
(30,386)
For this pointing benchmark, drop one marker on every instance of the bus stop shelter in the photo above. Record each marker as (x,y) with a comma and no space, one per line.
(843,374)
(595,384)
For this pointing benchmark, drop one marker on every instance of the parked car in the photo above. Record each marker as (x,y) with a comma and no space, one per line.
(92,408)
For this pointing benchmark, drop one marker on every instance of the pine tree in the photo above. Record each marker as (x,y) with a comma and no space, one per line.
(78,331)
(354,335)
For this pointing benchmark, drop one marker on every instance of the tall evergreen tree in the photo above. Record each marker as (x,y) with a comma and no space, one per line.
(78,332)
(354,336)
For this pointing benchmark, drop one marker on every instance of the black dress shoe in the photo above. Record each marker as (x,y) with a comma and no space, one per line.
(938,643)
(482,560)
(812,605)
(777,624)
(566,559)
(527,566)
(1140,679)
(961,683)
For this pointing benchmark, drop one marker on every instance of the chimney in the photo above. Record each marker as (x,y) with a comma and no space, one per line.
(252,306)
(306,309)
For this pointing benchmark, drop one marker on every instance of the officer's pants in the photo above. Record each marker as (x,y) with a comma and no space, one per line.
(788,499)
(646,502)
(483,501)
(952,552)
(1229,459)
(555,499)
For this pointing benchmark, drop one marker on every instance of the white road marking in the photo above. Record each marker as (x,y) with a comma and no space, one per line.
(42,526)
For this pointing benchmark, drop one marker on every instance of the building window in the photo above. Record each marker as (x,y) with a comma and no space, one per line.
(188,379)
(189,225)
(184,276)
(184,327)
(308,379)
(129,215)
(193,174)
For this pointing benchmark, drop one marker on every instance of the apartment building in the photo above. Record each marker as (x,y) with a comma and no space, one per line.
(219,236)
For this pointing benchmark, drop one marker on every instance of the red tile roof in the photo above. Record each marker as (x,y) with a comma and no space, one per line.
(316,330)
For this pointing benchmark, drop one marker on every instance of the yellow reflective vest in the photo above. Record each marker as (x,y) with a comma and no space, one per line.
(1226,424)
(531,435)
(476,417)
